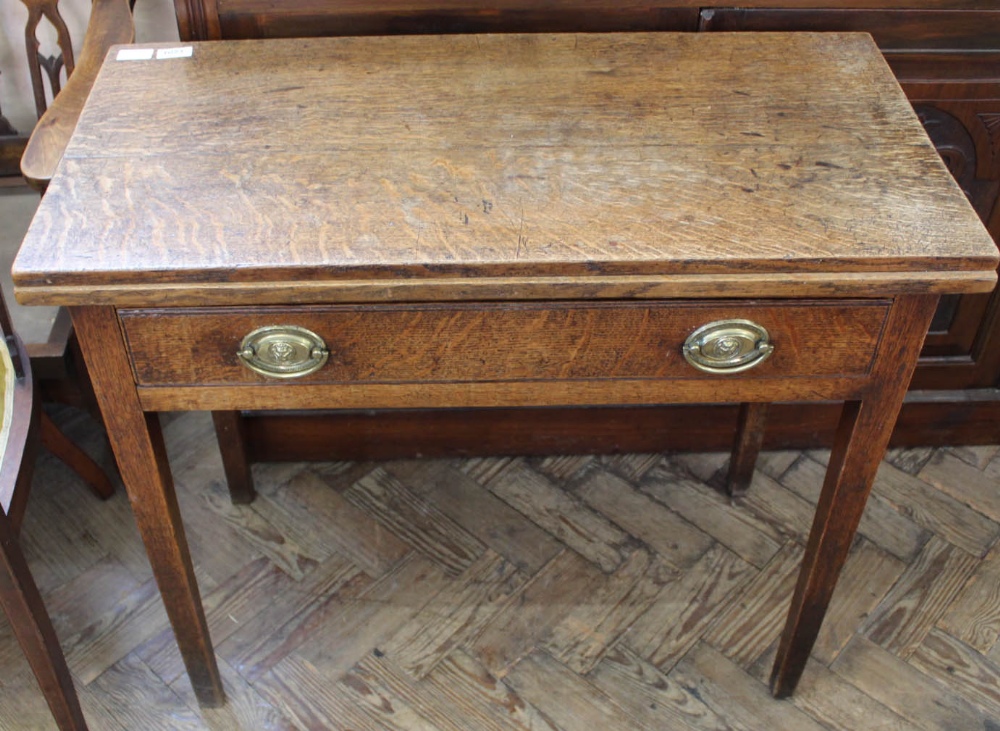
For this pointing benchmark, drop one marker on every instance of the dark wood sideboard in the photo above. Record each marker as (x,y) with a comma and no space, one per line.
(946,55)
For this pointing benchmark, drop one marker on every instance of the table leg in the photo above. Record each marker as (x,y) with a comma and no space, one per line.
(746,448)
(231,434)
(858,449)
(138,446)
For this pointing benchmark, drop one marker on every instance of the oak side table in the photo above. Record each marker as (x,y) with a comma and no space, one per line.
(488,221)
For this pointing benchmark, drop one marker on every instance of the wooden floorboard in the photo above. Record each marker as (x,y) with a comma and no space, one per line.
(565,593)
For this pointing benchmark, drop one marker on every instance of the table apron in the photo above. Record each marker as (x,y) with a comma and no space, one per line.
(592,392)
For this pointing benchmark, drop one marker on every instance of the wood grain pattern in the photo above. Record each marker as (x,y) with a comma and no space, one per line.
(686,608)
(974,489)
(362,622)
(583,637)
(392,696)
(955,664)
(888,528)
(228,606)
(306,695)
(936,510)
(868,576)
(396,218)
(974,616)
(456,615)
(870,690)
(138,444)
(732,694)
(910,25)
(253,652)
(752,621)
(503,194)
(920,597)
(753,540)
(496,394)
(586,531)
(416,521)
(494,705)
(459,289)
(140,703)
(916,697)
(567,698)
(312,504)
(110,22)
(833,701)
(492,521)
(861,440)
(656,698)
(483,342)
(679,542)
(533,610)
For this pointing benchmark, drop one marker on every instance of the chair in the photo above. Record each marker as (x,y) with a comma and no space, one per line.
(58,366)
(110,23)
(19,597)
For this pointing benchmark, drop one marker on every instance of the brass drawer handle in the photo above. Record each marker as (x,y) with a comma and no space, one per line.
(727,346)
(283,351)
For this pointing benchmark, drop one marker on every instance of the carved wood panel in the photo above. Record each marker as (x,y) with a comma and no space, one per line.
(965,334)
(39,62)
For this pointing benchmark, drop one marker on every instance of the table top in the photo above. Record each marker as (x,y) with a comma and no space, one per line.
(546,165)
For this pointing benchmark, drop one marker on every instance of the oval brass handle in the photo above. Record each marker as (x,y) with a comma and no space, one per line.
(283,351)
(727,346)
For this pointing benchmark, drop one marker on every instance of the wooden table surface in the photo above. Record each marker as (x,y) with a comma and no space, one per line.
(365,185)
(622,165)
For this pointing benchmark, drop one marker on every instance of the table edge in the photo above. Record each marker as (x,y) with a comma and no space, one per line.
(689,286)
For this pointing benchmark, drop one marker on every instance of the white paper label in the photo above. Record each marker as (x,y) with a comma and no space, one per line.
(134,54)
(179,52)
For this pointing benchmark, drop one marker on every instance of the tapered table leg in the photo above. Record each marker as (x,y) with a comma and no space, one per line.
(859,445)
(231,434)
(746,448)
(138,446)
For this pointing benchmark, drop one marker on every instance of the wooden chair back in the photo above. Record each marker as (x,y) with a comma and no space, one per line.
(110,23)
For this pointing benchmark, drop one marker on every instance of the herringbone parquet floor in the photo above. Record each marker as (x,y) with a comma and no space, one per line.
(575,593)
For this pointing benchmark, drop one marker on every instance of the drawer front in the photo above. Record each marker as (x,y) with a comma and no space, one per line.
(892,29)
(472,343)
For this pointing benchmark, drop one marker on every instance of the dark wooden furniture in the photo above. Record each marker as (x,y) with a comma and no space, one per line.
(946,54)
(19,597)
(110,22)
(57,366)
(502,221)
(42,69)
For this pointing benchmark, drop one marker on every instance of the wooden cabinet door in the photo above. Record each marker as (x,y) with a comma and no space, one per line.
(963,121)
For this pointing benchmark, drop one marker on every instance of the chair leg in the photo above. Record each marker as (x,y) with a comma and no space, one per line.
(231,433)
(75,458)
(746,448)
(31,624)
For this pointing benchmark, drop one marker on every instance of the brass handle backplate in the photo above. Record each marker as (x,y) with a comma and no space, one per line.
(283,351)
(727,346)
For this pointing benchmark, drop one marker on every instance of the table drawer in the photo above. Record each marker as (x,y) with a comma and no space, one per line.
(501,342)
